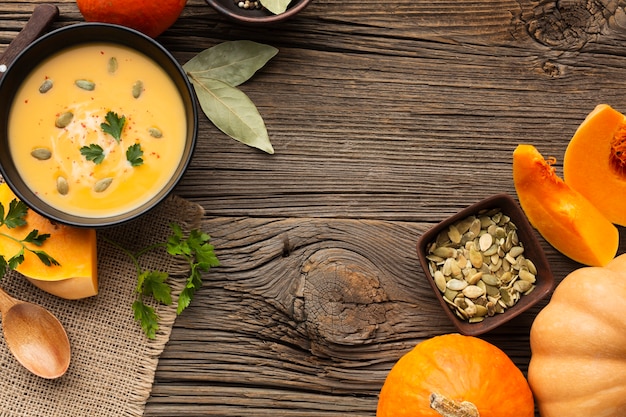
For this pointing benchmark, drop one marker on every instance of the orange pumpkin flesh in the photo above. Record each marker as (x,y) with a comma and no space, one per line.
(74,249)
(461,369)
(565,218)
(147,16)
(595,162)
(578,366)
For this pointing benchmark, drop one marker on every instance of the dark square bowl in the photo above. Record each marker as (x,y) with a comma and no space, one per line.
(544,284)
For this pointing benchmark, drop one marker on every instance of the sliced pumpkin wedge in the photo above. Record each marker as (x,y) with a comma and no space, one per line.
(73,248)
(563,216)
(595,162)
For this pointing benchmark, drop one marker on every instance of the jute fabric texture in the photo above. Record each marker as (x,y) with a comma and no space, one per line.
(113,363)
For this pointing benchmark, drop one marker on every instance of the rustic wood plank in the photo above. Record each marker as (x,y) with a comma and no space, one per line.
(307,310)
(386,117)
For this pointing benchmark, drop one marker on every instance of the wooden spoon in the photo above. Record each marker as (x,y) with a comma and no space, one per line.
(35,337)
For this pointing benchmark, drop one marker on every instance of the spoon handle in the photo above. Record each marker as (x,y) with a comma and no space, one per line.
(39,22)
(6,301)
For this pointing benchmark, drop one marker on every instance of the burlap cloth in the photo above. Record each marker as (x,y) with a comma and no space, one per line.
(113,363)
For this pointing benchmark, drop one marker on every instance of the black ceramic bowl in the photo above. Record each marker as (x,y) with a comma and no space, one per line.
(544,284)
(75,35)
(234,12)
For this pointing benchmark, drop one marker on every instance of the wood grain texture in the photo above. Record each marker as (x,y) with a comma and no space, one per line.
(386,117)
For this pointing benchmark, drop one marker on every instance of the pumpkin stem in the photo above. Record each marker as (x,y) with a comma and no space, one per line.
(450,408)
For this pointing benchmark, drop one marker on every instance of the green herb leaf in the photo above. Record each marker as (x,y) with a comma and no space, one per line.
(35,238)
(16,216)
(114,125)
(276,6)
(154,284)
(134,155)
(3,266)
(232,112)
(16,259)
(45,258)
(147,317)
(195,249)
(232,62)
(93,152)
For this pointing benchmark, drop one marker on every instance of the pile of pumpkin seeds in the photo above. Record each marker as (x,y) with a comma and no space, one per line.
(479,266)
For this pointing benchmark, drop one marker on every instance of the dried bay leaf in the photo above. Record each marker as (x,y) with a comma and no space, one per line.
(232,62)
(215,73)
(276,6)
(232,111)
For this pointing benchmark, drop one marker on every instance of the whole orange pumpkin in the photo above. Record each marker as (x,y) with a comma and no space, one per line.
(147,16)
(455,376)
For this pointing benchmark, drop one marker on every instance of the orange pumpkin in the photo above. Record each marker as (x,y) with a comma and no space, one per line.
(149,17)
(564,217)
(455,376)
(73,248)
(595,162)
(578,366)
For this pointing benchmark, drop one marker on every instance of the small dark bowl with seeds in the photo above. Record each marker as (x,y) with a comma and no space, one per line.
(252,13)
(130,144)
(485,265)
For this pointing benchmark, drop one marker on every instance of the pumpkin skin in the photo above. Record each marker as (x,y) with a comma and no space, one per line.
(564,217)
(595,162)
(578,361)
(460,368)
(147,16)
(74,248)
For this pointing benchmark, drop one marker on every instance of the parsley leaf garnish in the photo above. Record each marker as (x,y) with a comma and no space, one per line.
(134,155)
(195,249)
(93,152)
(114,125)
(16,217)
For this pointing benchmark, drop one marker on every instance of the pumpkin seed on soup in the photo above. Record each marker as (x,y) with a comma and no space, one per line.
(85,84)
(62,185)
(64,119)
(41,154)
(155,132)
(137,88)
(101,185)
(478,265)
(112,65)
(46,86)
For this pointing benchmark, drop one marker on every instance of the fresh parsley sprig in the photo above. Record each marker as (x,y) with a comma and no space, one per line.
(16,217)
(195,249)
(134,155)
(93,152)
(114,125)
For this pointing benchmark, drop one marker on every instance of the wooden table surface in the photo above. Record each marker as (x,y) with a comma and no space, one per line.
(386,117)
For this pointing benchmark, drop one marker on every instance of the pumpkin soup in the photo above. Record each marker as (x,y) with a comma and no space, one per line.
(97,129)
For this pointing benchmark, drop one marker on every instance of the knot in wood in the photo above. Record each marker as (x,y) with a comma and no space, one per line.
(571,24)
(343,301)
